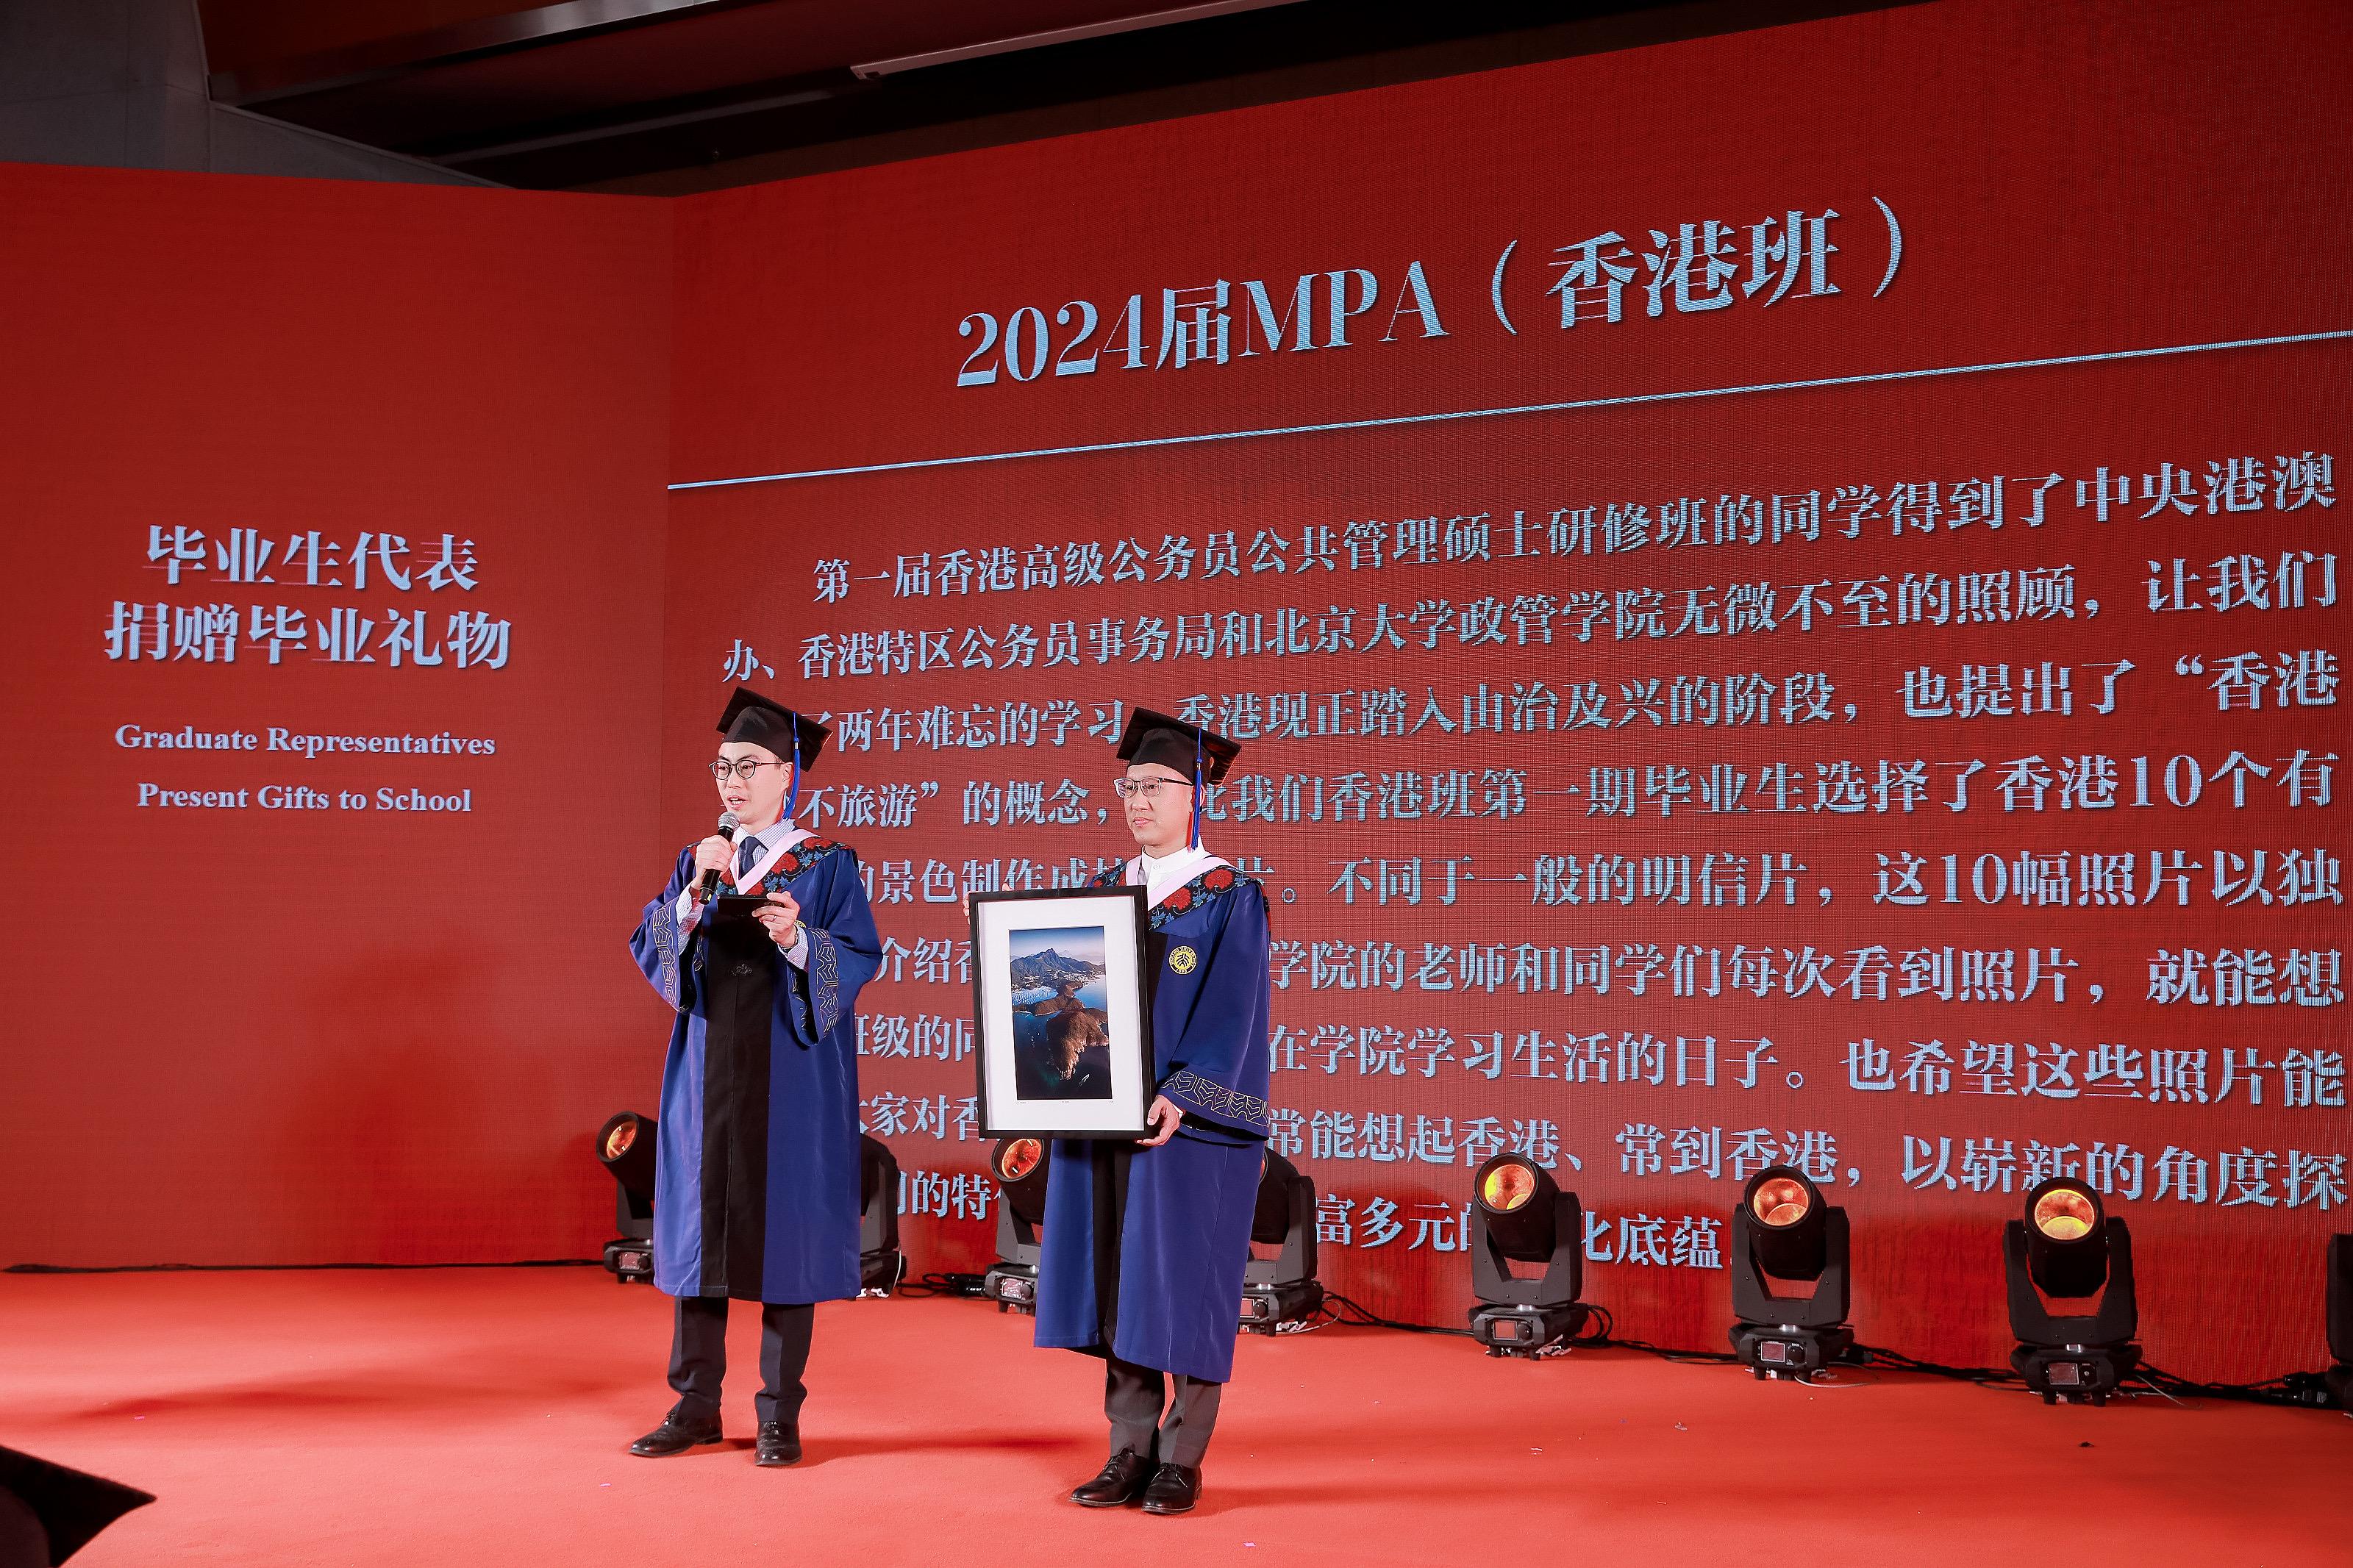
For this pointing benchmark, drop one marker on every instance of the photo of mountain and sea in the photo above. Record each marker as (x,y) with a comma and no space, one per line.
(1060,1032)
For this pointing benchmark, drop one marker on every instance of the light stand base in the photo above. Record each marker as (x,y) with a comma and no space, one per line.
(1013,1286)
(2088,1374)
(1524,1330)
(1267,1307)
(630,1261)
(1785,1350)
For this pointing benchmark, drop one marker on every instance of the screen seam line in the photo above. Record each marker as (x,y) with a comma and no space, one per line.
(1626,400)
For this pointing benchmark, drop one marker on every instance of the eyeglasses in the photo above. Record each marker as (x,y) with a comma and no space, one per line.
(1128,789)
(742,768)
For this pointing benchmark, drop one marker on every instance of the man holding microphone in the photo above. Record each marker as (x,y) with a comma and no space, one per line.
(756,1188)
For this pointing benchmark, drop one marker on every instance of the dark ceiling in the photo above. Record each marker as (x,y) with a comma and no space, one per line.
(673,95)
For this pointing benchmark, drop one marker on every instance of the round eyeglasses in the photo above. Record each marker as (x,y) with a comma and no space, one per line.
(742,767)
(1128,789)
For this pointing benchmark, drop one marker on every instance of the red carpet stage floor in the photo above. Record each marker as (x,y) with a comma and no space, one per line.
(473,1416)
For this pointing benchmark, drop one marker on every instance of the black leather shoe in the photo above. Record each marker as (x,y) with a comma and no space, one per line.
(777,1445)
(1122,1481)
(676,1434)
(1174,1489)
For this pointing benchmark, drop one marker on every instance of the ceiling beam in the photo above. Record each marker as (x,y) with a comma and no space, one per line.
(381,60)
(872,68)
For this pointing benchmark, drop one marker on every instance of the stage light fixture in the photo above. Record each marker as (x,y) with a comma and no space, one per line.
(1019,1166)
(1519,1216)
(1282,1288)
(1789,1277)
(881,1265)
(2340,1378)
(2066,1250)
(624,1147)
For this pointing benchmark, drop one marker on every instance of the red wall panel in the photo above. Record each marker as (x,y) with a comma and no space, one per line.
(250,1035)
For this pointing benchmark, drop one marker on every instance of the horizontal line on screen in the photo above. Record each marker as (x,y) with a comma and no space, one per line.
(1629,400)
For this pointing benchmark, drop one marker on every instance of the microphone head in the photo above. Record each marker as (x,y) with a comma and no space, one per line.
(728,823)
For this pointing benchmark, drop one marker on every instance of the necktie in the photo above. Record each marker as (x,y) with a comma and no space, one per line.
(747,855)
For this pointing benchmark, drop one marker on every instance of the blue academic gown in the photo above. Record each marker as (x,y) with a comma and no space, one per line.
(1144,1248)
(756,1186)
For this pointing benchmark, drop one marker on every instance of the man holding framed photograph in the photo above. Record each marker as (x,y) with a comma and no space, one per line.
(1145,1242)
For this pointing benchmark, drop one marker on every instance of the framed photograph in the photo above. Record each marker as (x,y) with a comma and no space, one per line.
(1063,1031)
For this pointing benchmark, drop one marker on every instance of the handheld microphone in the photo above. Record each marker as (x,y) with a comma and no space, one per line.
(728,823)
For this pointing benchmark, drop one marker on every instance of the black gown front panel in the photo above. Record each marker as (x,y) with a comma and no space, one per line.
(740,980)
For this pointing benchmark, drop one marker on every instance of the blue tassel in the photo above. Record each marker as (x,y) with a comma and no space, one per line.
(1194,840)
(793,795)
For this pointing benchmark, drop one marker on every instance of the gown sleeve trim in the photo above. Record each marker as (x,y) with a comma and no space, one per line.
(825,981)
(1193,1092)
(665,935)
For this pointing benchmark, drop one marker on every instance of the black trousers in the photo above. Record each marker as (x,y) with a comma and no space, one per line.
(698,1358)
(1133,1398)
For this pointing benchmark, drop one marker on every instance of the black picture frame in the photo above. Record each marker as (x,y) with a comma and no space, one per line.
(1029,1083)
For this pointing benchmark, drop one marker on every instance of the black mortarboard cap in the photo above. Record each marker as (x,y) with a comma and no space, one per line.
(1172,743)
(69,1506)
(760,721)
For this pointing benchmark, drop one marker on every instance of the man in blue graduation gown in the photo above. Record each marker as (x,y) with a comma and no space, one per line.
(756,1188)
(1145,1244)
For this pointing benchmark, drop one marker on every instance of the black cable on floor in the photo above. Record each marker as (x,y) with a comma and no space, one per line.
(2298,1390)
(943,1284)
(1340,1306)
